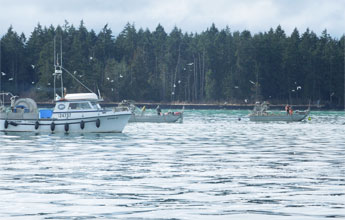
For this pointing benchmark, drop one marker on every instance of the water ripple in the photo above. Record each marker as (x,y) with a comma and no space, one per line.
(213,166)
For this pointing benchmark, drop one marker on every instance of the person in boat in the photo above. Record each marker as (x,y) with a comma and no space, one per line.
(290,110)
(159,111)
(143,110)
(287,109)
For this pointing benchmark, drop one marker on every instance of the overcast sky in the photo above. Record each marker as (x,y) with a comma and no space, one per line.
(188,15)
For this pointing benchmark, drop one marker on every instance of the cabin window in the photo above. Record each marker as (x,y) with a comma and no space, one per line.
(79,106)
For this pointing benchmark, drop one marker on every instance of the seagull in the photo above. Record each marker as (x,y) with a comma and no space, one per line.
(74,72)
(299,87)
(179,81)
(33,66)
(189,64)
(112,80)
(33,82)
(48,84)
(246,100)
(10,79)
(172,93)
(108,78)
(252,82)
(174,85)
(80,76)
(236,87)
(121,76)
(2,73)
(112,89)
(91,58)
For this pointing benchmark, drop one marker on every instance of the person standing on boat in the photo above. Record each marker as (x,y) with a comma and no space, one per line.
(143,110)
(287,109)
(158,109)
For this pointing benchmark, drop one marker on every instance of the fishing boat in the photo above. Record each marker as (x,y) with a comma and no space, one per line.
(75,112)
(140,115)
(261,113)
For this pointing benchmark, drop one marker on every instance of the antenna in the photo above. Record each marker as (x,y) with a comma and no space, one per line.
(61,50)
(54,53)
(0,65)
(62,90)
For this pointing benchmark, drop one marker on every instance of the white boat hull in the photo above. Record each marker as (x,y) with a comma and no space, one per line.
(114,123)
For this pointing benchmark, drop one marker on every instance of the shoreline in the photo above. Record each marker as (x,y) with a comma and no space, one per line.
(190,106)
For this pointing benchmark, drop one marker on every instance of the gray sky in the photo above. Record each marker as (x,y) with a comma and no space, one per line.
(188,15)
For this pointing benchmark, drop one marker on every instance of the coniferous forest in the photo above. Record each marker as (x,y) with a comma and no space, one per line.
(208,67)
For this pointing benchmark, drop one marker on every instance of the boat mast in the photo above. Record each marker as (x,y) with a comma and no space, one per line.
(57,68)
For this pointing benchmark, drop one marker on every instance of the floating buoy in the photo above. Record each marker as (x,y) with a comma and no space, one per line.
(52,126)
(66,127)
(37,124)
(309,119)
(82,125)
(6,124)
(98,123)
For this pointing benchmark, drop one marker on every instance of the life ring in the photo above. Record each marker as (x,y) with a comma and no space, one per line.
(6,124)
(52,126)
(66,127)
(98,123)
(37,124)
(82,124)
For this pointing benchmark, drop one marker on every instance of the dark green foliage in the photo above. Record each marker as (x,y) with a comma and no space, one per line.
(213,66)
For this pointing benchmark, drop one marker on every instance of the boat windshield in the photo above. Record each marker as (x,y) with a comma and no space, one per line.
(95,105)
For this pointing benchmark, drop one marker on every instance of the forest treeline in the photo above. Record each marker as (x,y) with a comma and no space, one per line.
(212,66)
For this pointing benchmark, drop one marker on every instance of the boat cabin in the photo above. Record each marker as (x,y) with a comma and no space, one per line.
(78,102)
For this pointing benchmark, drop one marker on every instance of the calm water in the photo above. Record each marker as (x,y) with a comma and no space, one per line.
(213,166)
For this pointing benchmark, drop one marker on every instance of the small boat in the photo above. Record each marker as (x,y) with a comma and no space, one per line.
(261,113)
(140,115)
(77,112)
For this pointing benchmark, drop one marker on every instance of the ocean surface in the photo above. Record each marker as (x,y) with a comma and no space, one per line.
(215,165)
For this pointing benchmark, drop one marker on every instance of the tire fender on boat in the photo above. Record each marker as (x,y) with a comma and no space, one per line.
(37,124)
(52,126)
(82,124)
(98,123)
(6,124)
(66,127)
